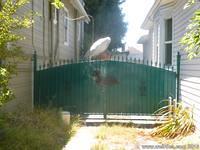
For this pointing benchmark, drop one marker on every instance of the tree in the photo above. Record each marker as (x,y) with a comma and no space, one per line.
(10,53)
(191,39)
(108,21)
(5,93)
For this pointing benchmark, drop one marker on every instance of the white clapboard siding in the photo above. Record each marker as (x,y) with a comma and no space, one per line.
(22,83)
(190,70)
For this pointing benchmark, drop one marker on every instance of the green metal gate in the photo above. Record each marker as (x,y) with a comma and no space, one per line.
(105,86)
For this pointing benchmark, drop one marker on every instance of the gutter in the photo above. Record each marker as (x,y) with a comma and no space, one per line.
(77,4)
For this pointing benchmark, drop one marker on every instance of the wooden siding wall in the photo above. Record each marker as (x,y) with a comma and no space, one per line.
(190,70)
(22,83)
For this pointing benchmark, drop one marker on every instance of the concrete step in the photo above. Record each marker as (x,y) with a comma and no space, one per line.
(137,121)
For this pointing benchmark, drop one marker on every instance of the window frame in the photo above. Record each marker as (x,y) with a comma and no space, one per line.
(168,42)
(66,27)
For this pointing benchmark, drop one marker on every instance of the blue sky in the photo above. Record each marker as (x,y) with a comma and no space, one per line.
(135,12)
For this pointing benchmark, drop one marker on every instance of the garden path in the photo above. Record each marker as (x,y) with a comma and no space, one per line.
(86,137)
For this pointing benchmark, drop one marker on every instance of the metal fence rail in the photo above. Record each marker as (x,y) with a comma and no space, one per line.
(105,86)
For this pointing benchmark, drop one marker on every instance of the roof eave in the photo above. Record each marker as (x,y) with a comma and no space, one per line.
(143,39)
(148,22)
(77,4)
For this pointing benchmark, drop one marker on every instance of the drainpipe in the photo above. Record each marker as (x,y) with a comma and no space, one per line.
(75,38)
(44,31)
(50,50)
(33,43)
(34,54)
(56,22)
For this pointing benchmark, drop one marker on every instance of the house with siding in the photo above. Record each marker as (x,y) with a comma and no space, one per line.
(55,36)
(166,23)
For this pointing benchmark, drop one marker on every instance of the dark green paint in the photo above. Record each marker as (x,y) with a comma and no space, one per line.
(178,75)
(120,87)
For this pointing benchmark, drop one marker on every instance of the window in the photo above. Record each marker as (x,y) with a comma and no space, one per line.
(79,30)
(157,42)
(50,11)
(66,28)
(168,41)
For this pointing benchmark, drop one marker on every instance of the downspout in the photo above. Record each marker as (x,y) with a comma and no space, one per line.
(33,43)
(56,22)
(50,25)
(34,52)
(75,38)
(44,31)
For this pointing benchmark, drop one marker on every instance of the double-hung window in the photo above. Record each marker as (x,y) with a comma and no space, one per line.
(168,41)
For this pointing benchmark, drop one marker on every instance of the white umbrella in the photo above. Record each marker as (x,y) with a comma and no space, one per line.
(98,47)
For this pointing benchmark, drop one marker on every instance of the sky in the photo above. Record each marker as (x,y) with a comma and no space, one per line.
(135,12)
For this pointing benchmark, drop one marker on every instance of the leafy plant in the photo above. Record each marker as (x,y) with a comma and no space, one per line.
(5,93)
(57,3)
(10,53)
(179,122)
(191,39)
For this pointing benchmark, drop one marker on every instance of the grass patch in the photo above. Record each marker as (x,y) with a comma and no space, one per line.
(116,136)
(191,142)
(40,129)
(115,132)
(100,146)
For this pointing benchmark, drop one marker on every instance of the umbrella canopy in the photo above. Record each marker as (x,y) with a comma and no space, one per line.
(98,47)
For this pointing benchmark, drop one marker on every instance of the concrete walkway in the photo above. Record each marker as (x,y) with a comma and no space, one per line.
(86,137)
(83,140)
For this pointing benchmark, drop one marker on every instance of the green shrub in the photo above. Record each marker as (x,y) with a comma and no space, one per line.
(5,93)
(41,129)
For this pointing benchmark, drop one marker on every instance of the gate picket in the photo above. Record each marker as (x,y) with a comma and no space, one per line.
(105,86)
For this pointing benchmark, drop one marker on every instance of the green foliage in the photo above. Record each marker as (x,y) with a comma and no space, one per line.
(191,39)
(189,3)
(108,21)
(5,93)
(179,122)
(10,53)
(42,129)
(58,4)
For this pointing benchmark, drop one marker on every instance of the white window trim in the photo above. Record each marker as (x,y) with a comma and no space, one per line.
(66,12)
(165,14)
(168,42)
(79,31)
